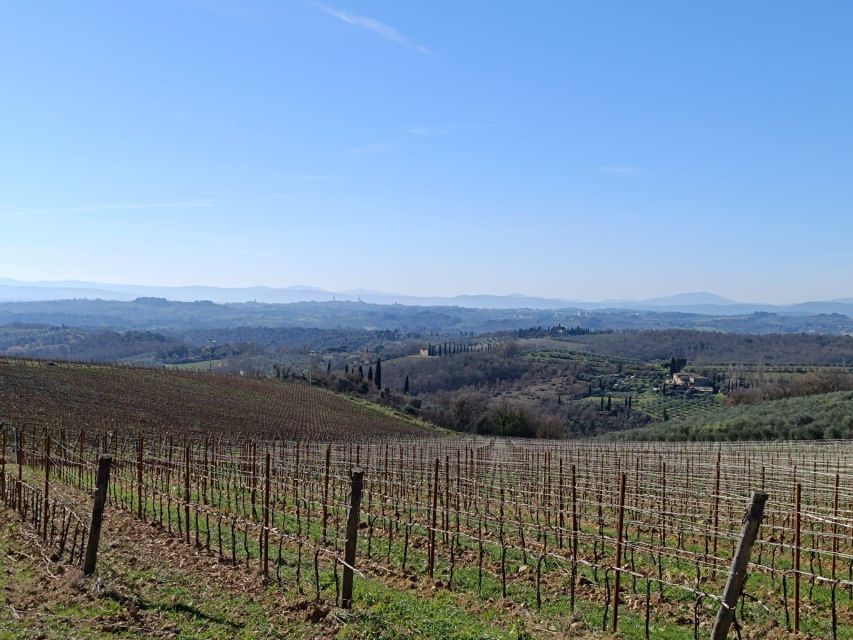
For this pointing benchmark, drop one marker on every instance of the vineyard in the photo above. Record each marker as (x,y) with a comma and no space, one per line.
(96,397)
(582,538)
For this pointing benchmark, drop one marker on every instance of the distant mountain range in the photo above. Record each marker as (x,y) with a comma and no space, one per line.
(696,302)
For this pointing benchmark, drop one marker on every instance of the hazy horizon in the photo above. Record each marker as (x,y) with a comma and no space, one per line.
(687,298)
(576,151)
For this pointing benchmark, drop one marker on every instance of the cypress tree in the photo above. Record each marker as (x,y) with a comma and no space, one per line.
(370,373)
(377,377)
(406,386)
(608,402)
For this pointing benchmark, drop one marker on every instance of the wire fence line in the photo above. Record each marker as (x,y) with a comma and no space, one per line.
(528,521)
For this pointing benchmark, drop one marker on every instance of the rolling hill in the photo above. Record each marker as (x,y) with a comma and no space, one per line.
(95,398)
(818,417)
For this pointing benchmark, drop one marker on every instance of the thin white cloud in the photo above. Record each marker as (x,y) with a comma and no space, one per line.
(624,170)
(97,208)
(385,31)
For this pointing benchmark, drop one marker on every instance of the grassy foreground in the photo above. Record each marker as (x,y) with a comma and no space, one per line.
(147,586)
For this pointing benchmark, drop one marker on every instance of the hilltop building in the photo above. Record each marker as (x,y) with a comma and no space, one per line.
(692,382)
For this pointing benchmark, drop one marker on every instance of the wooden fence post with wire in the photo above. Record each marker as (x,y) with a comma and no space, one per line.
(737,573)
(619,549)
(104,462)
(352,536)
(3,462)
(45,501)
(266,530)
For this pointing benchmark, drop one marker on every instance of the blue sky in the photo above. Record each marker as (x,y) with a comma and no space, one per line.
(585,150)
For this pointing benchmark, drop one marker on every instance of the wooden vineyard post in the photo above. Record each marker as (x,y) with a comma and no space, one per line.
(80,465)
(737,573)
(139,478)
(169,467)
(446,517)
(187,493)
(662,504)
(797,527)
(574,536)
(834,517)
(45,511)
(19,487)
(104,462)
(618,567)
(352,536)
(326,492)
(561,522)
(253,463)
(716,508)
(433,521)
(3,463)
(204,475)
(267,518)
